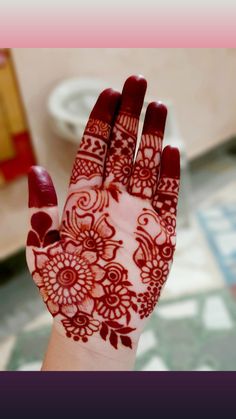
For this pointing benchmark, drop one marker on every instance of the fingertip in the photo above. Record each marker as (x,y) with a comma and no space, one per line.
(41,189)
(170,162)
(133,95)
(106,105)
(155,119)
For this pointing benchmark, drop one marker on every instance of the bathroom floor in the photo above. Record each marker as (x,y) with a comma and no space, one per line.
(194,325)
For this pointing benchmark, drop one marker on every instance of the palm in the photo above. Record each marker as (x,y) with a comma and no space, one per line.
(103,270)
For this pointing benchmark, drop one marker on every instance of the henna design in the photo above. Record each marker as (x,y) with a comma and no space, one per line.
(93,238)
(85,169)
(92,151)
(41,235)
(79,280)
(144,176)
(154,257)
(166,197)
(123,142)
(95,199)
(81,326)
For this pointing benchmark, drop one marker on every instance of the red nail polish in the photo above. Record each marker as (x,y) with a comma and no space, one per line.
(41,189)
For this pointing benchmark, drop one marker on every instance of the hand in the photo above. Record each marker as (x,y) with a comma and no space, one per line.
(101,270)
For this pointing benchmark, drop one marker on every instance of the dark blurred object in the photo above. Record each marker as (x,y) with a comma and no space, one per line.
(16,154)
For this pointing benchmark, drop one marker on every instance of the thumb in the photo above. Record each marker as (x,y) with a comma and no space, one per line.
(43,211)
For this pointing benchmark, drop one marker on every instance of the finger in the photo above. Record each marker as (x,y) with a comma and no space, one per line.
(166,197)
(145,171)
(89,163)
(124,134)
(43,209)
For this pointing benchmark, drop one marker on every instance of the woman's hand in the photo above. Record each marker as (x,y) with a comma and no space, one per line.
(101,270)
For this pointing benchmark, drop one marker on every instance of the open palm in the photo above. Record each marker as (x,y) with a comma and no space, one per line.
(101,270)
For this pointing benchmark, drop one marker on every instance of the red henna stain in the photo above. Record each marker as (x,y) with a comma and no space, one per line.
(106,106)
(41,189)
(155,119)
(42,236)
(133,95)
(41,222)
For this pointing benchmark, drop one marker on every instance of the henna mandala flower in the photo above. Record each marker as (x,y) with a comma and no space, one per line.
(154,271)
(115,303)
(67,281)
(115,273)
(92,238)
(145,174)
(121,168)
(80,326)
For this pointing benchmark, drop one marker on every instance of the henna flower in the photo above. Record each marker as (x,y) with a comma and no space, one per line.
(80,326)
(66,280)
(115,273)
(92,238)
(145,174)
(154,271)
(122,170)
(115,303)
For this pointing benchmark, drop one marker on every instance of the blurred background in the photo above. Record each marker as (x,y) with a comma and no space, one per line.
(45,98)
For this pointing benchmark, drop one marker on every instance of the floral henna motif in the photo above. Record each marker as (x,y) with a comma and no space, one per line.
(123,142)
(153,257)
(93,238)
(80,281)
(81,326)
(90,156)
(41,235)
(144,176)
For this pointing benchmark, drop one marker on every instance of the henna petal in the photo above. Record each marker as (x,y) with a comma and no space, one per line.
(51,237)
(40,259)
(69,310)
(32,239)
(91,257)
(98,272)
(104,229)
(84,222)
(44,294)
(97,291)
(87,305)
(41,222)
(37,279)
(52,307)
(71,247)
(110,251)
(55,249)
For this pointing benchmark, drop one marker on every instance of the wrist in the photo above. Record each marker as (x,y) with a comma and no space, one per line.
(65,354)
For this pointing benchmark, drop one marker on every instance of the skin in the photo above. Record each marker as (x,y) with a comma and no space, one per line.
(101,269)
